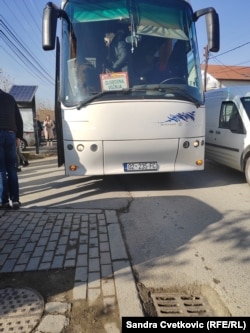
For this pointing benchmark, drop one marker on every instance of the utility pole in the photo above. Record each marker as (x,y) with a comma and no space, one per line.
(206,55)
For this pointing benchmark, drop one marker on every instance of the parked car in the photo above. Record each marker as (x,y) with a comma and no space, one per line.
(28,140)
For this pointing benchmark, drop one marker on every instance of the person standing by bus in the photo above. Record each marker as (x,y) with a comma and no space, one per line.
(11,132)
(48,126)
(39,129)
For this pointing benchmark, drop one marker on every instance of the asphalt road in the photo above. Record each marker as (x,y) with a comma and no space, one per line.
(184,232)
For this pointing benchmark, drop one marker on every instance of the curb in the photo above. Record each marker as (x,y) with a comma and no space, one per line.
(44,151)
(34,156)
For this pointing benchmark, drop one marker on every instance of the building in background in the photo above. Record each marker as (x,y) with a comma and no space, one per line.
(221,76)
(25,98)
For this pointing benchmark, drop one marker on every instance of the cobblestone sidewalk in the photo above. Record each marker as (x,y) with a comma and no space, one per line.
(88,240)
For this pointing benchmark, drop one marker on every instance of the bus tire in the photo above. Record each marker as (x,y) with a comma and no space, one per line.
(247,170)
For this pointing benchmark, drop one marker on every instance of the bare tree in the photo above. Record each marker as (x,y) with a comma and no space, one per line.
(5,82)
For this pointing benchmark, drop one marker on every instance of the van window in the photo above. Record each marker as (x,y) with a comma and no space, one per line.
(225,114)
(230,118)
(246,103)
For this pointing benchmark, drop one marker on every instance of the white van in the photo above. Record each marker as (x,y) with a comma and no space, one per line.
(228,127)
(29,138)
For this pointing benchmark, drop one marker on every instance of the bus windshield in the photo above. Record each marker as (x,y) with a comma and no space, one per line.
(133,49)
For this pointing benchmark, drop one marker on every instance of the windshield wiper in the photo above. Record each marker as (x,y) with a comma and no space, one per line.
(184,93)
(166,88)
(162,88)
(97,96)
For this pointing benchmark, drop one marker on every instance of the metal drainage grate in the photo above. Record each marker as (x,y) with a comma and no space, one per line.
(180,305)
(20,310)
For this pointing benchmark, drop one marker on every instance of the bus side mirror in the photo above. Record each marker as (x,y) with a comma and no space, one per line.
(213,31)
(50,15)
(213,27)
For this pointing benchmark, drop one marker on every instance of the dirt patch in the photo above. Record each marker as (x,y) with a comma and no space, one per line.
(57,286)
(147,302)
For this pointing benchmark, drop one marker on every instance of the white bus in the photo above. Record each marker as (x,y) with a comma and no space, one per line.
(146,118)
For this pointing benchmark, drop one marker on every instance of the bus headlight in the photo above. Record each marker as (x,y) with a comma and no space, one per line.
(80,147)
(196,143)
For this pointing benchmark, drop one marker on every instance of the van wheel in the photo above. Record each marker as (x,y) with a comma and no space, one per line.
(247,170)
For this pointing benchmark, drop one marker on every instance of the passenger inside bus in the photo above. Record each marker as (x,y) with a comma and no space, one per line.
(148,71)
(88,78)
(167,62)
(172,62)
(162,66)
(177,63)
(119,56)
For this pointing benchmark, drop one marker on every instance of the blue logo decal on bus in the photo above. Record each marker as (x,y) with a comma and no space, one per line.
(178,117)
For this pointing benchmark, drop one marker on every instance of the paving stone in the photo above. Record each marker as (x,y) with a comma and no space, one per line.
(53,324)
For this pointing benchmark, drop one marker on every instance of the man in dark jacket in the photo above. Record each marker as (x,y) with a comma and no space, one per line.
(11,131)
(119,57)
(39,129)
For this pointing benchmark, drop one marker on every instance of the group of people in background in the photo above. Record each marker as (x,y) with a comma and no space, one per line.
(47,128)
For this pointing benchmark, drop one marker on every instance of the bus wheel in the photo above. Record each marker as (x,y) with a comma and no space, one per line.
(247,170)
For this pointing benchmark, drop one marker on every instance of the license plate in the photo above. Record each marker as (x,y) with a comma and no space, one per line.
(140,166)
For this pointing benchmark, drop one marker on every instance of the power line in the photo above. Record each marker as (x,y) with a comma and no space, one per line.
(235,48)
(32,17)
(29,33)
(22,55)
(32,63)
(21,50)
